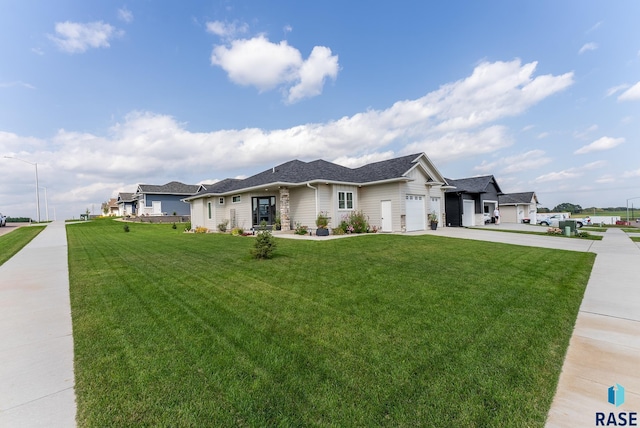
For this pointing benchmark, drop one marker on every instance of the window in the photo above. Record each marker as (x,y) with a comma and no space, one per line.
(209,207)
(345,200)
(236,199)
(221,201)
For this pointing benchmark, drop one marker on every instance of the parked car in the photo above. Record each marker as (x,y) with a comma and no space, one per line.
(3,220)
(554,220)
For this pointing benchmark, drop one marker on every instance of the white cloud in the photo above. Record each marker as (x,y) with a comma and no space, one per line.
(581,135)
(125,15)
(453,122)
(542,135)
(532,159)
(605,179)
(266,65)
(18,83)
(604,143)
(355,162)
(227,30)
(631,94)
(616,89)
(74,37)
(631,174)
(570,173)
(588,47)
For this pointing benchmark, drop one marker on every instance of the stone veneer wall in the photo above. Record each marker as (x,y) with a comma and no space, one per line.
(285,210)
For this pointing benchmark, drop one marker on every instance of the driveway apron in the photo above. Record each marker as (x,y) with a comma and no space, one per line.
(36,350)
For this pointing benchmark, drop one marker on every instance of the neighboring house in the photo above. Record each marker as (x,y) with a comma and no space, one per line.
(515,207)
(396,195)
(126,204)
(469,199)
(165,199)
(112,207)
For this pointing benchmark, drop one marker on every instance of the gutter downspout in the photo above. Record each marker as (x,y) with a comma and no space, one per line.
(316,189)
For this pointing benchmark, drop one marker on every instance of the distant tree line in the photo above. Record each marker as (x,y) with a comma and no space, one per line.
(577,209)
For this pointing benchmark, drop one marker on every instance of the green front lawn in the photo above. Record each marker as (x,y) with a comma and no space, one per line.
(13,241)
(175,329)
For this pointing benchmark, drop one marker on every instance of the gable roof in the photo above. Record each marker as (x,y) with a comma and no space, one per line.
(517,198)
(171,188)
(125,197)
(473,184)
(297,172)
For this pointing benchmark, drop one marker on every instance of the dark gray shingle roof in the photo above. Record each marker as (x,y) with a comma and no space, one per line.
(516,198)
(172,188)
(125,197)
(299,172)
(472,184)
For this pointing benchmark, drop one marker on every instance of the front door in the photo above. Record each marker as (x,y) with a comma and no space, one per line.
(385,217)
(264,209)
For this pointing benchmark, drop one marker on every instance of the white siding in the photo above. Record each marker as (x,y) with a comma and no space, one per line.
(337,213)
(302,204)
(369,199)
(197,213)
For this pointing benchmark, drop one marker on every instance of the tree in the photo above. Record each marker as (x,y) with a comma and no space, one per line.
(264,244)
(567,207)
(105,208)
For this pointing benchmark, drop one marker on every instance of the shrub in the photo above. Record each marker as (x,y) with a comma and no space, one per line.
(264,244)
(126,228)
(322,221)
(337,231)
(174,226)
(187,227)
(554,231)
(583,234)
(355,222)
(301,230)
(201,229)
(237,231)
(222,227)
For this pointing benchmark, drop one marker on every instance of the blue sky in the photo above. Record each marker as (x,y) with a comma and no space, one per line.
(103,95)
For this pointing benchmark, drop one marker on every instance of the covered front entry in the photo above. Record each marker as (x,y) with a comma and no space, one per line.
(468,213)
(263,208)
(415,212)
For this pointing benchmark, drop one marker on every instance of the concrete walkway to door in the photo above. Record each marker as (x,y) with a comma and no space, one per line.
(36,350)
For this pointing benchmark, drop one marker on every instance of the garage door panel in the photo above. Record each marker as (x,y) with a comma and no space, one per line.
(415,212)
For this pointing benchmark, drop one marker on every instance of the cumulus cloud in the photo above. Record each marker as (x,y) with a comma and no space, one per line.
(631,94)
(75,37)
(266,65)
(529,160)
(604,143)
(453,122)
(631,174)
(588,47)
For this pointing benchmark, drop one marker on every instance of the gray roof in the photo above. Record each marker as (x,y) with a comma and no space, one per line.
(473,184)
(125,197)
(299,172)
(517,198)
(171,188)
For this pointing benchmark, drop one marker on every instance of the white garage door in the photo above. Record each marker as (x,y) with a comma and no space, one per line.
(415,212)
(468,213)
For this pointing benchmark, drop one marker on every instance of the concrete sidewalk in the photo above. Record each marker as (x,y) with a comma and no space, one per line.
(605,344)
(36,350)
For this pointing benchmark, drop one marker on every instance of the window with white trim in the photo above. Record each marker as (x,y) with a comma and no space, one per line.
(221,200)
(209,207)
(236,199)
(345,200)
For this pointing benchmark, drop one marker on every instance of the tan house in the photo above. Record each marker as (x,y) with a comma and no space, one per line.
(518,207)
(397,195)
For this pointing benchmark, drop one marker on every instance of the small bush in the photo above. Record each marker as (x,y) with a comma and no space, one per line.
(264,244)
(201,229)
(583,234)
(222,227)
(554,231)
(174,226)
(187,226)
(237,231)
(126,228)
(301,230)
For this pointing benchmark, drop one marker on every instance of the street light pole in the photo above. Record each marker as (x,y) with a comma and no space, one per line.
(46,202)
(37,184)
(630,199)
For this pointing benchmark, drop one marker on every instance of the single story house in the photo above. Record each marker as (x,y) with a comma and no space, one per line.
(515,207)
(396,195)
(112,207)
(165,199)
(126,204)
(470,199)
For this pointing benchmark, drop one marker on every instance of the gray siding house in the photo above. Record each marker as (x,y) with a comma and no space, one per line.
(518,207)
(165,199)
(396,195)
(126,204)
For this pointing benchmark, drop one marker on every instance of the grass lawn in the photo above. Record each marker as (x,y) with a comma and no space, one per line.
(13,241)
(175,329)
